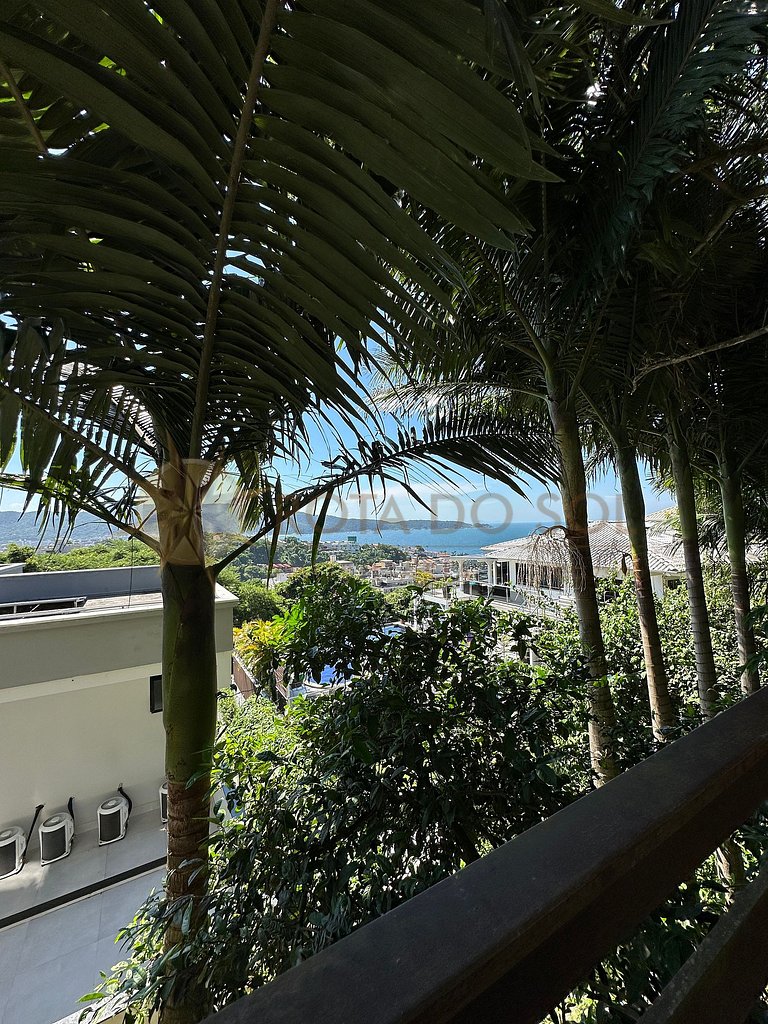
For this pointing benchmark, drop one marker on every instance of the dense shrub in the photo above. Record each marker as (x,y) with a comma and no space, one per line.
(446,744)
(256,601)
(104,555)
(352,803)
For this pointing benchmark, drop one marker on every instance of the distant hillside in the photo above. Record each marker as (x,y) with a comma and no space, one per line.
(218,519)
(305,523)
(15,529)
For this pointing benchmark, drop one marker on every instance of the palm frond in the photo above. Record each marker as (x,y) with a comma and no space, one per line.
(484,441)
(207,258)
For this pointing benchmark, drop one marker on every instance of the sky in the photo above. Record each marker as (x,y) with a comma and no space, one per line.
(470,500)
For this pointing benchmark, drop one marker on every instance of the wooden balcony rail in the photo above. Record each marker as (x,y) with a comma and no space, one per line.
(509,936)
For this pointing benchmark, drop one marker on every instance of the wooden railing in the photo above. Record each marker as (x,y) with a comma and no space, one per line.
(506,938)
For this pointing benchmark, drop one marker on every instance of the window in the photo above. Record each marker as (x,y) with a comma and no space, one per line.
(155,694)
(546,577)
(556,578)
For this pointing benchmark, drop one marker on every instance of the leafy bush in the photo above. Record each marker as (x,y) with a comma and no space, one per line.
(367,554)
(16,553)
(441,749)
(253,563)
(331,618)
(400,601)
(104,555)
(354,802)
(256,601)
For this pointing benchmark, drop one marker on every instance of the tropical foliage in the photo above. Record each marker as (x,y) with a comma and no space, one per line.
(546,229)
(104,555)
(354,802)
(196,206)
(440,750)
(333,622)
(367,554)
(255,601)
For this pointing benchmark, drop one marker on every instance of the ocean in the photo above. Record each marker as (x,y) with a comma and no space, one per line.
(455,540)
(459,540)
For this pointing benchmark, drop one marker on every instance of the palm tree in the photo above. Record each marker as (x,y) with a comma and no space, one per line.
(710,301)
(544,303)
(195,204)
(617,416)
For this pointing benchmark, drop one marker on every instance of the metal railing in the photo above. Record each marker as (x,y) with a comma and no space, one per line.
(506,938)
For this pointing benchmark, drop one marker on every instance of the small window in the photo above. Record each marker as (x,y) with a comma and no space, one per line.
(556,578)
(155,694)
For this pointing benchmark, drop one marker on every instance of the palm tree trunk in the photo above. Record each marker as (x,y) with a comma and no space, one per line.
(189,716)
(706,674)
(662,710)
(735,533)
(573,490)
(729,860)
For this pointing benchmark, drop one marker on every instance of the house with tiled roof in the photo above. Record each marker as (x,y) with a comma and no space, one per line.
(537,567)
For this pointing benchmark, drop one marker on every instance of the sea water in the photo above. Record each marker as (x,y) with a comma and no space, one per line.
(455,540)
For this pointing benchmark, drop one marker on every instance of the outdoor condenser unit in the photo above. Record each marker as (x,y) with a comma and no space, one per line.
(12,847)
(56,835)
(113,819)
(164,802)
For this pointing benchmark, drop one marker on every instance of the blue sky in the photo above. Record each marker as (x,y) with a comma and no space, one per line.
(471,499)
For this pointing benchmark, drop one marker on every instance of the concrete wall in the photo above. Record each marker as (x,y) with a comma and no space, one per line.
(11,568)
(80,742)
(74,709)
(42,586)
(64,647)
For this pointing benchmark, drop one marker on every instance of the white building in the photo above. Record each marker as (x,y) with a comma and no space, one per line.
(80,688)
(535,569)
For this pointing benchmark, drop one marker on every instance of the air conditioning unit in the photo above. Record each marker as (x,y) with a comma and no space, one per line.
(56,835)
(113,819)
(12,847)
(164,802)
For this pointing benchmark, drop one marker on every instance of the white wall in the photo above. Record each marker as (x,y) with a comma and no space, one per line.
(67,730)
(82,741)
(82,738)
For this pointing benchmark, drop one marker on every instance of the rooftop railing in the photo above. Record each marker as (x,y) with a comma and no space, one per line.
(509,936)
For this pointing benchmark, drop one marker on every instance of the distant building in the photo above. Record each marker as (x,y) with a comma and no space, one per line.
(80,685)
(344,563)
(537,568)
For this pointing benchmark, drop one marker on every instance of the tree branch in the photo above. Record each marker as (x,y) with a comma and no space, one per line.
(268,22)
(377,466)
(269,528)
(742,339)
(18,483)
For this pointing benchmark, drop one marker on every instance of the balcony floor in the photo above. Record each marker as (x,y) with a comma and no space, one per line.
(49,960)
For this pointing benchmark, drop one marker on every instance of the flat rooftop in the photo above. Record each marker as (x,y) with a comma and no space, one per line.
(52,594)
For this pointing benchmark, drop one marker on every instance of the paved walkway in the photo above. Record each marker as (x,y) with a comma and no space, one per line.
(50,960)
